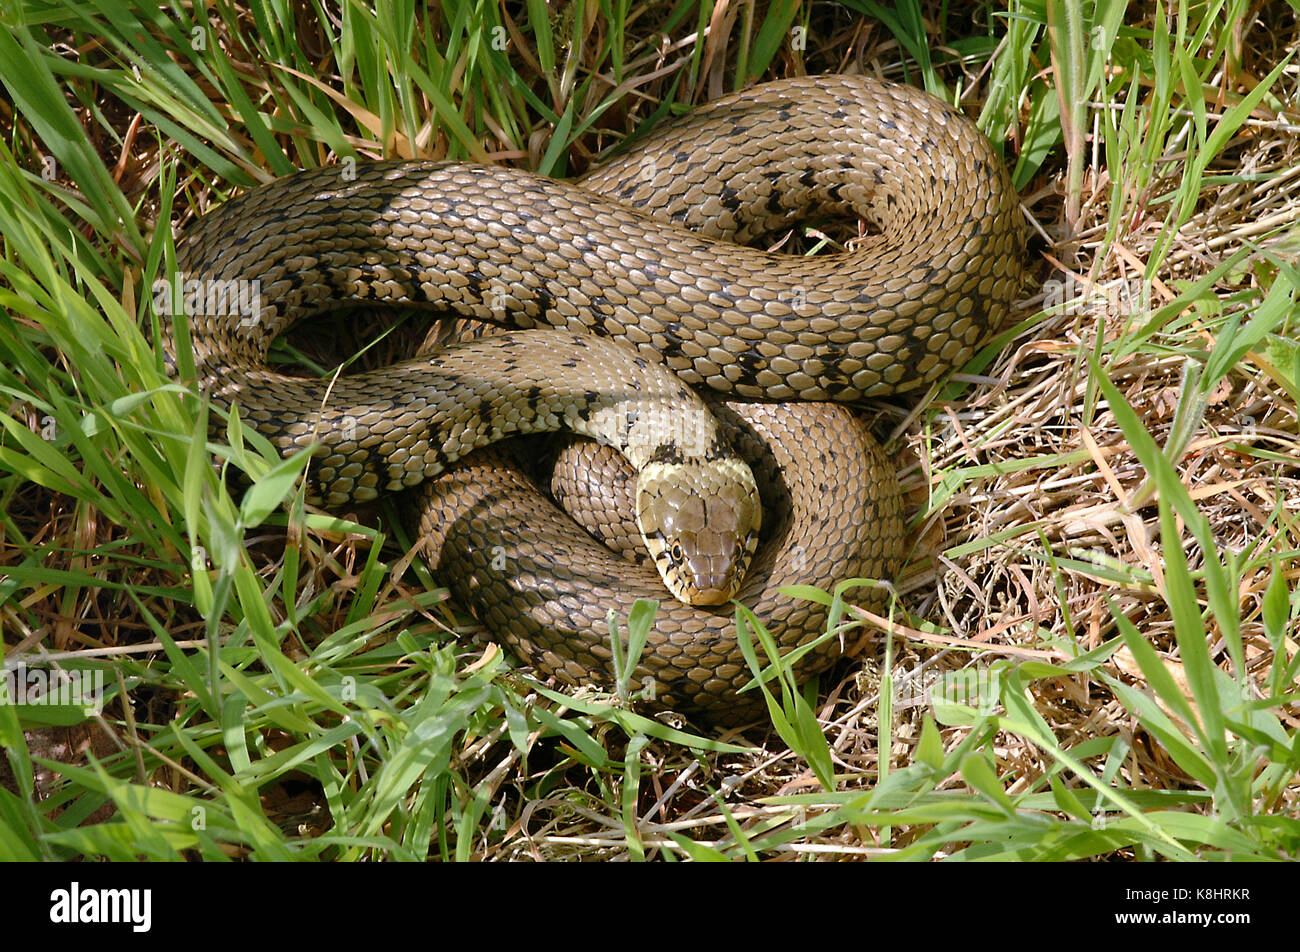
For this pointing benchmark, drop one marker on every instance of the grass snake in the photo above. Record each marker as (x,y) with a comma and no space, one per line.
(642,265)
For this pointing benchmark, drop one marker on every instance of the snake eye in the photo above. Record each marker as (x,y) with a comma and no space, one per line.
(676,552)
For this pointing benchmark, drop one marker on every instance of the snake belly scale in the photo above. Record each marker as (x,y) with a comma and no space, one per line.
(648,250)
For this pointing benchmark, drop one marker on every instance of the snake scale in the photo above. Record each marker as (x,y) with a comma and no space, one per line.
(644,264)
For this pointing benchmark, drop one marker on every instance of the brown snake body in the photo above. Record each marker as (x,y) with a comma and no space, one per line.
(643,252)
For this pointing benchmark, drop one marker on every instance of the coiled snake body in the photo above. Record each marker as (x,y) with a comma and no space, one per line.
(645,252)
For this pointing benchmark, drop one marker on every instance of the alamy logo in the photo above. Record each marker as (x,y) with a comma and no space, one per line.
(974,688)
(43,687)
(209,297)
(74,904)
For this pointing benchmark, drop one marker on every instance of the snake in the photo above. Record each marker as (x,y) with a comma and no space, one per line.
(641,312)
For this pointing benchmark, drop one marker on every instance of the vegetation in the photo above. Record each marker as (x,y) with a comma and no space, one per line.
(1093,652)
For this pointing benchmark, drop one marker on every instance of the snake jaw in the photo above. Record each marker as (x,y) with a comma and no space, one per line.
(700,521)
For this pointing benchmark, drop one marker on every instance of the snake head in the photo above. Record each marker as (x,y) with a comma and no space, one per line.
(700,521)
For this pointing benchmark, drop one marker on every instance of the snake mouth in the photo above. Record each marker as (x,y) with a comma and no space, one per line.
(711,596)
(712,569)
(696,572)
